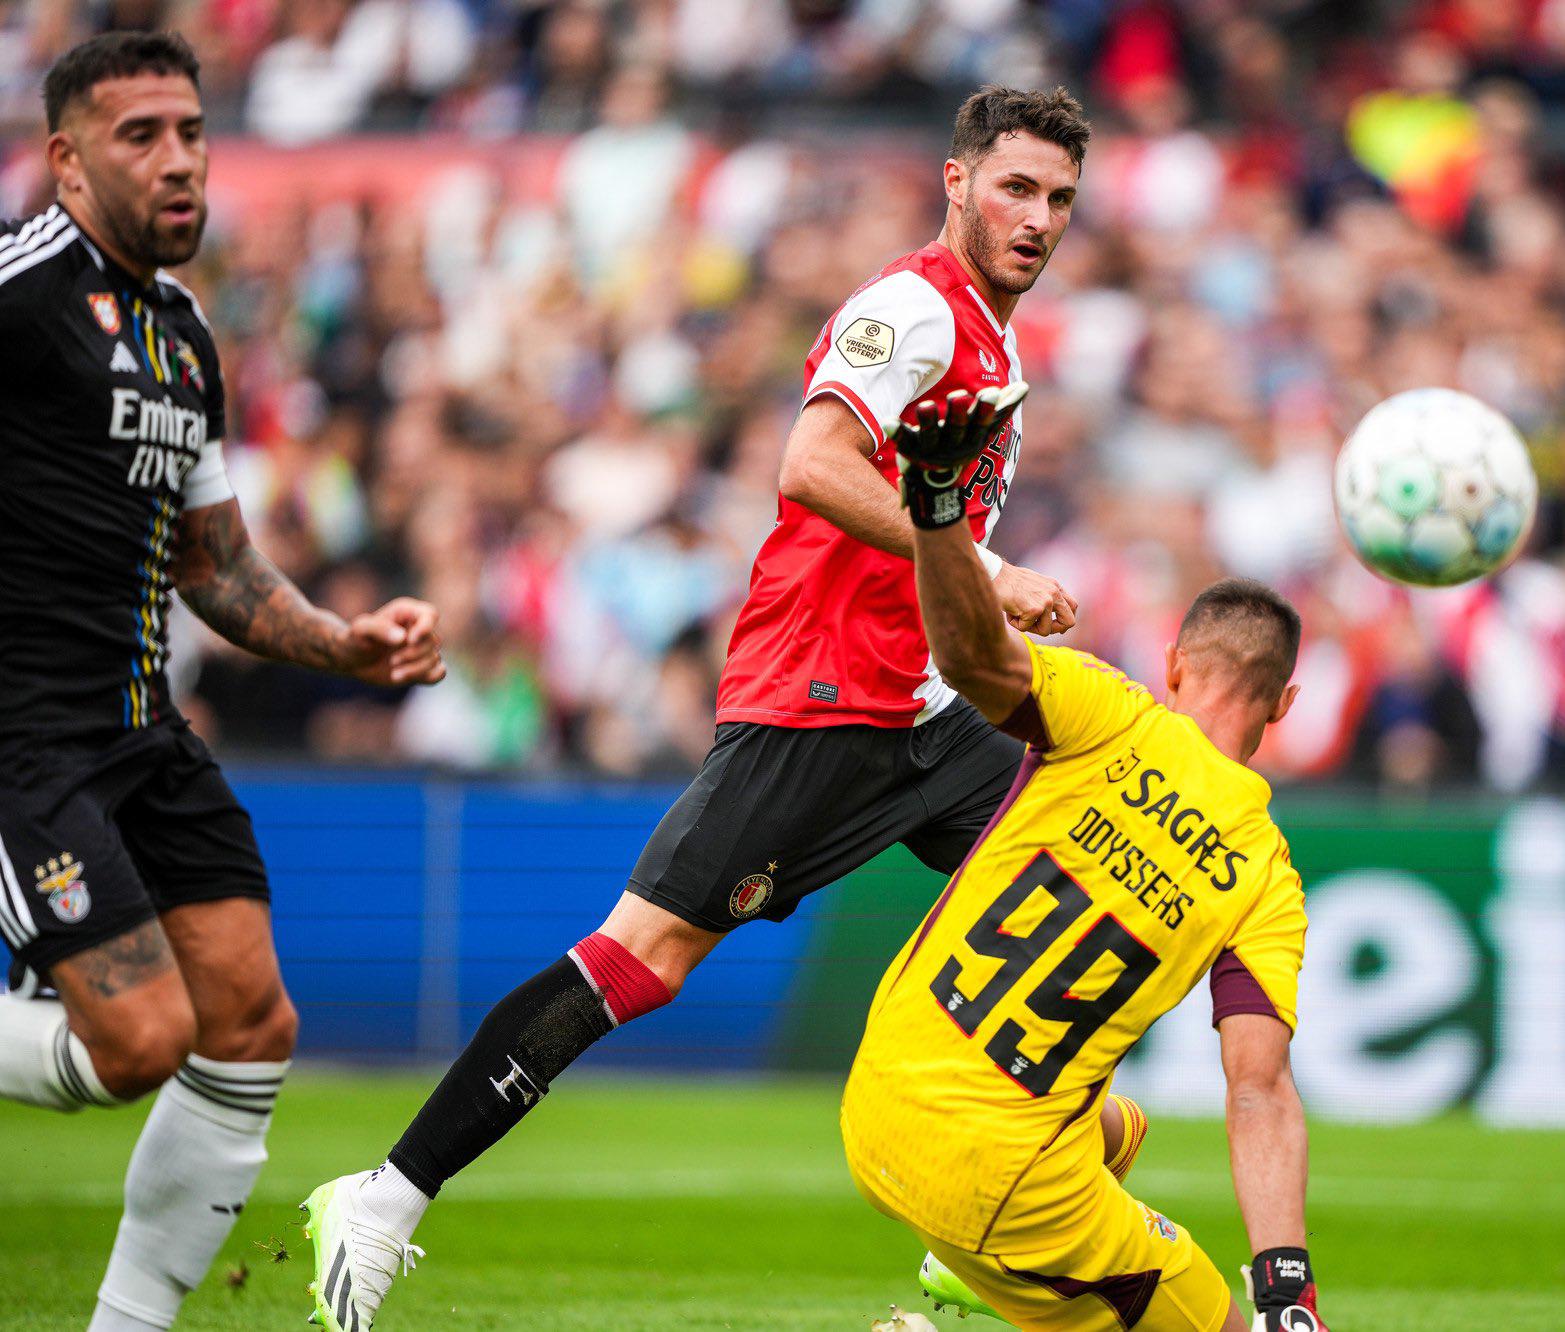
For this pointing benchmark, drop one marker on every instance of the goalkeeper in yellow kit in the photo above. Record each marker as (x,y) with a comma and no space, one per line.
(1133,857)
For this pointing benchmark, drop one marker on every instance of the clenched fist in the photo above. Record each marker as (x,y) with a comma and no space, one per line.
(1034,602)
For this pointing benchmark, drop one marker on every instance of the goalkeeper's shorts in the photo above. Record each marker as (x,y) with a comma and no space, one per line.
(1159,1281)
(1078,1254)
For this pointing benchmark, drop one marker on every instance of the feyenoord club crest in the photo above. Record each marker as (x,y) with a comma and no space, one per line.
(106,310)
(751,894)
(61,881)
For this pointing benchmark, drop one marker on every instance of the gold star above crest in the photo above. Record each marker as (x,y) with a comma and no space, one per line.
(54,864)
(66,858)
(38,871)
(771,867)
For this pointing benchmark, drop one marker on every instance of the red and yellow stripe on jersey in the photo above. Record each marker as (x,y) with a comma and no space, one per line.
(1131,859)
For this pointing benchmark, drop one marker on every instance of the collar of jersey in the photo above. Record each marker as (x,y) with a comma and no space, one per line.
(113,269)
(964,278)
(1243,772)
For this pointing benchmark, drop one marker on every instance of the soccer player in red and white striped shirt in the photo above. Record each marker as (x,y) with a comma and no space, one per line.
(836,736)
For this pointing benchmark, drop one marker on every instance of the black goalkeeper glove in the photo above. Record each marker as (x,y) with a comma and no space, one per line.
(932,453)
(1282,1287)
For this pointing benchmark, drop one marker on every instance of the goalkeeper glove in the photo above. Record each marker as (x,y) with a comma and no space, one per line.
(932,453)
(1282,1287)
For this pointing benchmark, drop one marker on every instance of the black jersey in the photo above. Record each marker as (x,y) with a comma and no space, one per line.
(112,424)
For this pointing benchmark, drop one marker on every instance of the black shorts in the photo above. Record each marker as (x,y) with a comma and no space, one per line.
(96,842)
(777,812)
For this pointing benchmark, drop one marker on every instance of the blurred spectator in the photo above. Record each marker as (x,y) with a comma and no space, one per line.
(1419,729)
(618,181)
(336,57)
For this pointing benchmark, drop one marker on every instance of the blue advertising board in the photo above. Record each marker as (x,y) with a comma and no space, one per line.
(405,907)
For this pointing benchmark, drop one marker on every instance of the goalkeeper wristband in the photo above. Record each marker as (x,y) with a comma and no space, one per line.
(932,494)
(1279,1278)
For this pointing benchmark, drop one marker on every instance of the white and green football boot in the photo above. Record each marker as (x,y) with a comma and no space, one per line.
(944,1287)
(356,1256)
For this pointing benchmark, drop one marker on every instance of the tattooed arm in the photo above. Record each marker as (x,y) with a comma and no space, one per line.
(225,580)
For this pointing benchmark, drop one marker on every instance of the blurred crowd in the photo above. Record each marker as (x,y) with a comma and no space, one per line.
(558,413)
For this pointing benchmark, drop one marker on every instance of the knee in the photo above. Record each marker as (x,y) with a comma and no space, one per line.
(1113,1128)
(672,971)
(264,1029)
(667,961)
(143,1053)
(274,1036)
(661,942)
(637,974)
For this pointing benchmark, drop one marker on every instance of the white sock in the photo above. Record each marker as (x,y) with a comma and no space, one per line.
(105,1319)
(42,1061)
(395,1199)
(194,1165)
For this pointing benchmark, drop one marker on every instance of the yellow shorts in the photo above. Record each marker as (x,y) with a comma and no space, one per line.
(1132,1268)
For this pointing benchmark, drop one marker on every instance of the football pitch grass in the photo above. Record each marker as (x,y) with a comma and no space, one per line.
(640,1206)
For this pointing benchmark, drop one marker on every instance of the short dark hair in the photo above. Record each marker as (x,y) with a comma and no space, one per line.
(114,55)
(995,110)
(1258,630)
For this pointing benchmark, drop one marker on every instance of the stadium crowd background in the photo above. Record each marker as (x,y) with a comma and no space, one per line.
(557,410)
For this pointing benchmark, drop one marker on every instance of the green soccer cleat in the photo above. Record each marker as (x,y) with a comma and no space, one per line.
(944,1287)
(356,1256)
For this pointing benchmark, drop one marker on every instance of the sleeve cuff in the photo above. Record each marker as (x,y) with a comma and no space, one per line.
(856,405)
(207,482)
(1235,990)
(1026,723)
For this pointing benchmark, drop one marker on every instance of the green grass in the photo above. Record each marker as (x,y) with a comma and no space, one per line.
(639,1206)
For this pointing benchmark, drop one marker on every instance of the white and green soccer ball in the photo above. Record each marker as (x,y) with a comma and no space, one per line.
(1435,488)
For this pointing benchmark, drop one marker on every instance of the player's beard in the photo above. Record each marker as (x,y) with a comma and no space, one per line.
(153,242)
(986,249)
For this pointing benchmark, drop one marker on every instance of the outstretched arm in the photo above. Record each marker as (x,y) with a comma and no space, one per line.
(1268,1146)
(966,623)
(1268,1149)
(241,594)
(978,653)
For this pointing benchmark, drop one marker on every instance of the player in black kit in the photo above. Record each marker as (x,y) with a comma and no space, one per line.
(130,882)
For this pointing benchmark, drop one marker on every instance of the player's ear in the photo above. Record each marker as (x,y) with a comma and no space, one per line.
(956,180)
(64,160)
(1174,663)
(1283,704)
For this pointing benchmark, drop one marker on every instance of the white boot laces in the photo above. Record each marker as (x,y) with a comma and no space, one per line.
(381,1252)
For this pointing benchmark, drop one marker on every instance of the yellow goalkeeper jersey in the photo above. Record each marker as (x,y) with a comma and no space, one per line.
(1130,860)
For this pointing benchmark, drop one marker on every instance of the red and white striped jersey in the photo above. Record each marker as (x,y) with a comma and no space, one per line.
(831,633)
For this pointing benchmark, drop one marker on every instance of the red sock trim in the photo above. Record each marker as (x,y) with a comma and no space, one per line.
(629,987)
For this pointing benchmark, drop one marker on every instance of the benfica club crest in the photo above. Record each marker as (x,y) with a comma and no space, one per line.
(62,883)
(106,310)
(1158,1225)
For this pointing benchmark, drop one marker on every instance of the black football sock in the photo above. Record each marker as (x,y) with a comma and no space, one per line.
(528,1039)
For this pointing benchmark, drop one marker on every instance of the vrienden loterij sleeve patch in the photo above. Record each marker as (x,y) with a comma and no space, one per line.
(866,342)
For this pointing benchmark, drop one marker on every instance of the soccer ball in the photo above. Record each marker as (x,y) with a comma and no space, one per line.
(1434,488)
